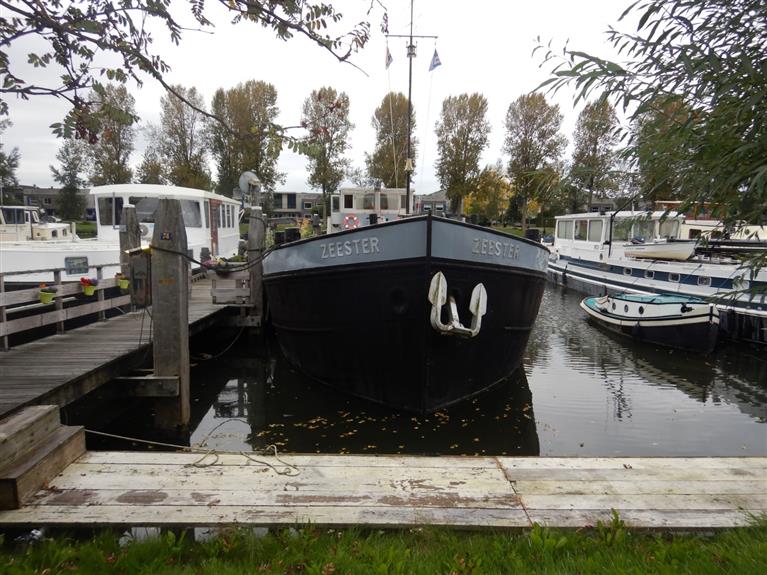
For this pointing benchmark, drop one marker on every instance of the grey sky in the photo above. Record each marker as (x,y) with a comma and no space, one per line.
(485,46)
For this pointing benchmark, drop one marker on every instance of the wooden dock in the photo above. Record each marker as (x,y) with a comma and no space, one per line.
(62,368)
(123,489)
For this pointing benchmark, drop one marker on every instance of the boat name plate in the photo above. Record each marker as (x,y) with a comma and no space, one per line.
(485,246)
(350,247)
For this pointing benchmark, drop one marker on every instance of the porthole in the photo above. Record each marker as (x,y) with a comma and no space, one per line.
(704,281)
(613,306)
(641,310)
(626,271)
(649,274)
(626,308)
(672,277)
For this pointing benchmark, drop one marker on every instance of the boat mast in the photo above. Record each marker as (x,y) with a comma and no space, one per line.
(410,56)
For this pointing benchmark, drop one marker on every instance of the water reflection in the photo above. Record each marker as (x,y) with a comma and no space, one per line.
(263,401)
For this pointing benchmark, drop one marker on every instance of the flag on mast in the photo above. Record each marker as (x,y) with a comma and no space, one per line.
(389,59)
(435,61)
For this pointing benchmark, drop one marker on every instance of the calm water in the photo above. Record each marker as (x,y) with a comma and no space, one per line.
(581,391)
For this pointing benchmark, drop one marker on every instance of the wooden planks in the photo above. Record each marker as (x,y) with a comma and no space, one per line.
(62,368)
(183,489)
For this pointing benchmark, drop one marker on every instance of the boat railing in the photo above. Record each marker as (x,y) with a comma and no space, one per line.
(26,309)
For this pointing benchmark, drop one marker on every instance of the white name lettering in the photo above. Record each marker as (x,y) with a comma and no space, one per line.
(495,248)
(365,246)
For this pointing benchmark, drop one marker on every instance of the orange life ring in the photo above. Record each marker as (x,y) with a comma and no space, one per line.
(351,221)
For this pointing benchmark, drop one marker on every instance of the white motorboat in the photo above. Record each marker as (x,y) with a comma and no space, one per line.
(661,250)
(211,220)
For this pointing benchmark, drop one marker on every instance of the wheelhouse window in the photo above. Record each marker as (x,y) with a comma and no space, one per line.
(365,202)
(645,230)
(335,203)
(595,230)
(110,211)
(384,201)
(581,229)
(565,229)
(622,230)
(403,202)
(348,201)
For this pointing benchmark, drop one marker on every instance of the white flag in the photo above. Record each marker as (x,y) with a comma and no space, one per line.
(434,61)
(389,59)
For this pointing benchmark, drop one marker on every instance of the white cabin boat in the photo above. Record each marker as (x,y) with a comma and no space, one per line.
(593,254)
(211,220)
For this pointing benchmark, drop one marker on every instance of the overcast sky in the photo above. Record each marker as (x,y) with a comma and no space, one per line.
(485,46)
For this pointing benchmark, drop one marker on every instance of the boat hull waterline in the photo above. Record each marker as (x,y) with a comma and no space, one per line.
(351,310)
(670,321)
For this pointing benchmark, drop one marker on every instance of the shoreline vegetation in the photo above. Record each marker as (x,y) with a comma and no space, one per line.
(607,548)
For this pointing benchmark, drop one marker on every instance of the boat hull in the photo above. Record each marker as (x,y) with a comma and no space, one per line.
(386,350)
(695,330)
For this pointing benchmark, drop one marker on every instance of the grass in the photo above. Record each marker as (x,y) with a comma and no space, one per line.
(86,229)
(609,548)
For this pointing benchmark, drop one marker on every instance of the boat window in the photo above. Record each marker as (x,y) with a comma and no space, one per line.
(641,310)
(365,202)
(649,274)
(626,271)
(11,216)
(335,203)
(348,201)
(622,230)
(669,229)
(145,208)
(626,308)
(384,199)
(644,229)
(565,229)
(740,283)
(595,230)
(403,202)
(109,207)
(26,217)
(35,217)
(613,306)
(54,234)
(673,277)
(207,214)
(581,227)
(704,281)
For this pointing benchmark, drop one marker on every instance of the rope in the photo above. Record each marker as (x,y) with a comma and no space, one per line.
(208,357)
(289,469)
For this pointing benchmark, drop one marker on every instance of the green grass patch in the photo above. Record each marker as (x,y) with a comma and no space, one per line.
(609,548)
(86,229)
(509,230)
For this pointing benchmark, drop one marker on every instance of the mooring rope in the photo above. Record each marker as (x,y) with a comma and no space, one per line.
(289,469)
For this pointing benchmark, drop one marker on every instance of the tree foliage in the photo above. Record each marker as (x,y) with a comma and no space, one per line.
(491,194)
(150,170)
(249,138)
(73,167)
(462,135)
(326,117)
(709,57)
(75,33)
(387,162)
(9,163)
(534,145)
(593,168)
(180,139)
(110,155)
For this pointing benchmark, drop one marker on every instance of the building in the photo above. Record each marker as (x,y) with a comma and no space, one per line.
(45,198)
(435,203)
(295,204)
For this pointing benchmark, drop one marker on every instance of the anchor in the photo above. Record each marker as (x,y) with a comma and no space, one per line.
(438,297)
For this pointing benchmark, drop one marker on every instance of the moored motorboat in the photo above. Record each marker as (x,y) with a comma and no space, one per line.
(416,313)
(661,250)
(669,320)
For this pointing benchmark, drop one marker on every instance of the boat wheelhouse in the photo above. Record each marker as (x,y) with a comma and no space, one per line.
(25,223)
(594,253)
(211,221)
(354,207)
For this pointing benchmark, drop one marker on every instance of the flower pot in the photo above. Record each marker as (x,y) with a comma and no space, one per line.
(123,283)
(89,290)
(46,297)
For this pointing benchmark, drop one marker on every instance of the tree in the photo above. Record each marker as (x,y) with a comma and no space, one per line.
(387,162)
(180,140)
(462,134)
(594,157)
(249,138)
(9,163)
(326,117)
(115,111)
(73,160)
(709,56)
(534,146)
(74,34)
(490,197)
(150,171)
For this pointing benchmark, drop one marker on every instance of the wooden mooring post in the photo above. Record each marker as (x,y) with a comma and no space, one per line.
(134,267)
(170,305)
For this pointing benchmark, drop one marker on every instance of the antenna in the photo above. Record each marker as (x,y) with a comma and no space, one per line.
(410,56)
